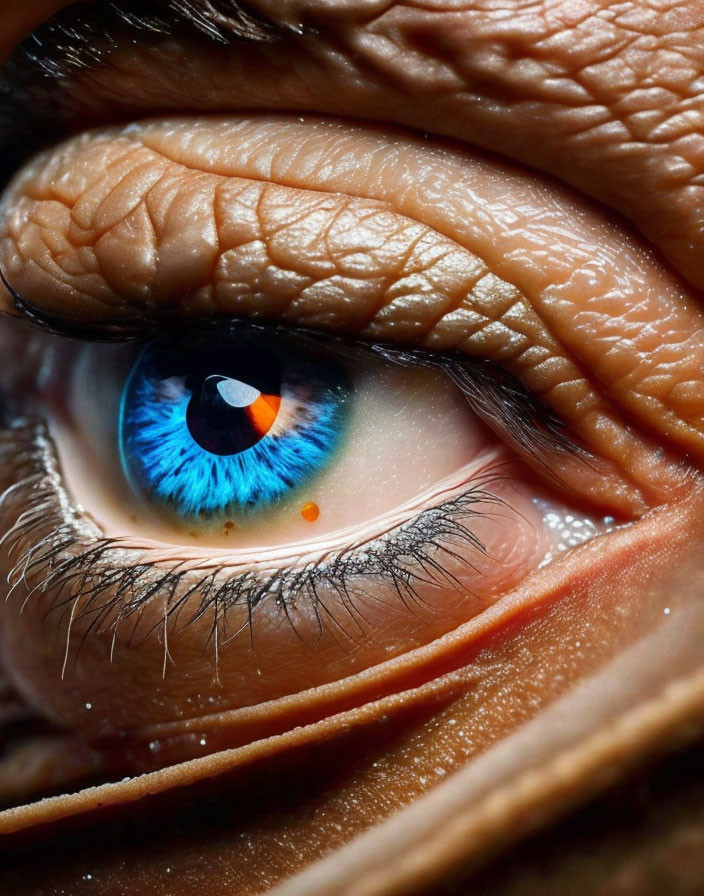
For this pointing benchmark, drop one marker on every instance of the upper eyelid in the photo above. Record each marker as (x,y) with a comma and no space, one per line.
(451,192)
(480,232)
(671,422)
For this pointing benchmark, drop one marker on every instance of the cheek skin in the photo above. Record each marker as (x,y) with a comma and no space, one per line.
(512,665)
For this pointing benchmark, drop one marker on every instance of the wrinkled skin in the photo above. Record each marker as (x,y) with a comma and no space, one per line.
(590,666)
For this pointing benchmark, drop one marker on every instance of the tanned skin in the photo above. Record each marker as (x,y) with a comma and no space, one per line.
(562,145)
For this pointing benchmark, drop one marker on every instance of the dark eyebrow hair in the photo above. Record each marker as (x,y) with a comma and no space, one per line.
(82,36)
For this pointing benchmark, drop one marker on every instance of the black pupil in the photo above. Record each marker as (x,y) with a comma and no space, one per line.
(224,385)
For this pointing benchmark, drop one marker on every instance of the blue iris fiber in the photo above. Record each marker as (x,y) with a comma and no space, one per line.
(170,468)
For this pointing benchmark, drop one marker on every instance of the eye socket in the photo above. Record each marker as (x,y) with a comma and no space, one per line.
(204,625)
(131,626)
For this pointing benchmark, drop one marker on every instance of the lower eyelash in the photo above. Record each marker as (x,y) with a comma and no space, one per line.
(53,546)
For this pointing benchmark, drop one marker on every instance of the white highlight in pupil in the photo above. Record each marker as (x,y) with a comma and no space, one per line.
(236,393)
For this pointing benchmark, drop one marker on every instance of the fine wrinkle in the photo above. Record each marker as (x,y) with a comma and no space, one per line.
(383,264)
(359,240)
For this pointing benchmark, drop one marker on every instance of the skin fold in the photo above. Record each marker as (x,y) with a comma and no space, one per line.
(517,182)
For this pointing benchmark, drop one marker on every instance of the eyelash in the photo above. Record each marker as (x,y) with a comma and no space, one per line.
(51,543)
(48,528)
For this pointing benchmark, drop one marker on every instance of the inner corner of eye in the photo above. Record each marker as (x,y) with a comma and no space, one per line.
(251,440)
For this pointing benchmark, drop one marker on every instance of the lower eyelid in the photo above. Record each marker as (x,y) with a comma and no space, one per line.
(95,640)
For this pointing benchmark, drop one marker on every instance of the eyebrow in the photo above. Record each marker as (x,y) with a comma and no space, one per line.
(81,37)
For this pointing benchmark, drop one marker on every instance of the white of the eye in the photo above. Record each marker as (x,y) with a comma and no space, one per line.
(236,393)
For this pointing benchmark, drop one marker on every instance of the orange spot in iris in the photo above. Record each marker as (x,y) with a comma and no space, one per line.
(262,412)
(310,511)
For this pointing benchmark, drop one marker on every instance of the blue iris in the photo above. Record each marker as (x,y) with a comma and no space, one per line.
(221,425)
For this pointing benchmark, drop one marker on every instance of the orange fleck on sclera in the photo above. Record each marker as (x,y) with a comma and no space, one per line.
(310,511)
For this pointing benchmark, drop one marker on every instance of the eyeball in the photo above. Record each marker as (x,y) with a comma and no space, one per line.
(226,426)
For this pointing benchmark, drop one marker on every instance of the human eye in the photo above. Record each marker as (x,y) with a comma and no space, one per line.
(190,226)
(310,414)
(199,450)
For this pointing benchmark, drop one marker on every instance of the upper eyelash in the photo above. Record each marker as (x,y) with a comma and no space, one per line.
(490,390)
(495,394)
(110,330)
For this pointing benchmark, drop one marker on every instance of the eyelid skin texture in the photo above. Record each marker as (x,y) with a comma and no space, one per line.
(330,225)
(603,95)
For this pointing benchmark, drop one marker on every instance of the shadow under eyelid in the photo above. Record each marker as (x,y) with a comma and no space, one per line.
(118,330)
(528,416)
(495,394)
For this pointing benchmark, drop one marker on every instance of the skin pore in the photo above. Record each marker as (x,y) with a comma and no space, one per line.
(523,184)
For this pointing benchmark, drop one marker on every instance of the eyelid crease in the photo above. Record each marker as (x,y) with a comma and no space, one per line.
(485,317)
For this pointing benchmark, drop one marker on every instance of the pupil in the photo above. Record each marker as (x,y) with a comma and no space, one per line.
(232,406)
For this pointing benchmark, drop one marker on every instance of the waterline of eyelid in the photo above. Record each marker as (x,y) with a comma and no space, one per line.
(269,562)
(488,466)
(80,535)
(569,529)
(566,527)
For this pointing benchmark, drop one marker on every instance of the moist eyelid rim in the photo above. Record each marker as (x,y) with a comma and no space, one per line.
(53,545)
